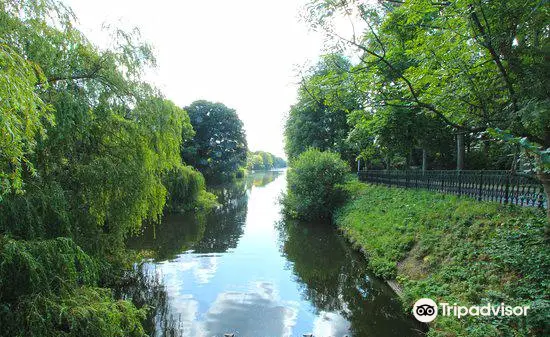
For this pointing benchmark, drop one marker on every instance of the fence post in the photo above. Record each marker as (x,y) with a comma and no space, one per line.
(540,198)
(480,189)
(428,182)
(459,178)
(507,189)
(407,179)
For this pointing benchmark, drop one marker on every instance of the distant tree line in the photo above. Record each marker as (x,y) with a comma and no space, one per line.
(260,160)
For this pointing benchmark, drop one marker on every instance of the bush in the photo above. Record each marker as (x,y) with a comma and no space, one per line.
(49,288)
(186,190)
(241,173)
(314,185)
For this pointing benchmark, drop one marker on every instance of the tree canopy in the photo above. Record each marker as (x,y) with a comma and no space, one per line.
(88,151)
(218,148)
(431,77)
(110,137)
(319,118)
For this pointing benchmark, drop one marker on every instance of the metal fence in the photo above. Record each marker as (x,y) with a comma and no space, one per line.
(500,186)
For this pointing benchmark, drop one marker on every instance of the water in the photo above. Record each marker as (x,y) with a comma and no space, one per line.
(244,270)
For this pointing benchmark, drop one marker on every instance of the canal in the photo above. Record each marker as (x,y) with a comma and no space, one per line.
(243,269)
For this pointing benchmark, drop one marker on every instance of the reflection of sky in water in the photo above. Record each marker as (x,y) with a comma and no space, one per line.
(259,312)
(330,324)
(238,291)
(249,290)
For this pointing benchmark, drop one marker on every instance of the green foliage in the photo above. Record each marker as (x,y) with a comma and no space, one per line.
(49,288)
(187,190)
(97,174)
(260,160)
(86,311)
(429,70)
(218,148)
(23,115)
(86,148)
(455,250)
(319,118)
(314,184)
(542,156)
(241,173)
(43,267)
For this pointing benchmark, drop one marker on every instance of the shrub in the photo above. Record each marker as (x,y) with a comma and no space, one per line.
(49,288)
(186,190)
(314,185)
(241,173)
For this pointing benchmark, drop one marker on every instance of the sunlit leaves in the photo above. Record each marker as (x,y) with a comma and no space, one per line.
(22,115)
(319,118)
(313,185)
(472,65)
(218,148)
(114,137)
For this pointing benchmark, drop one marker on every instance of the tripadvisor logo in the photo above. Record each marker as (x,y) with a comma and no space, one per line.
(425,310)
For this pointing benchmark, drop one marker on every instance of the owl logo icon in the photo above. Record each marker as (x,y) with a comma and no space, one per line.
(425,310)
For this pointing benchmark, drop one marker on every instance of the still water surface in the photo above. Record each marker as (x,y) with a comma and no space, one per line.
(242,269)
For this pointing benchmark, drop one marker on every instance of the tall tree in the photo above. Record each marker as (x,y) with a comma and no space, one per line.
(319,118)
(218,148)
(476,65)
(95,174)
(84,147)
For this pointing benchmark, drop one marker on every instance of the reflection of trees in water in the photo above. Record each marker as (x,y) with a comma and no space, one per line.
(215,232)
(263,178)
(335,278)
(232,191)
(176,233)
(225,224)
(143,286)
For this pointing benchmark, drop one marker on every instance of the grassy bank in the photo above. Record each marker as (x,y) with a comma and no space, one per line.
(455,250)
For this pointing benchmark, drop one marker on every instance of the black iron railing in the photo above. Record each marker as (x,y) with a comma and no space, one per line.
(500,186)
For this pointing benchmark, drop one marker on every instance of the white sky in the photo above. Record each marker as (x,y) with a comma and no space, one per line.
(243,53)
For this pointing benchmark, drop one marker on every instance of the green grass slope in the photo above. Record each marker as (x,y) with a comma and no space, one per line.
(455,250)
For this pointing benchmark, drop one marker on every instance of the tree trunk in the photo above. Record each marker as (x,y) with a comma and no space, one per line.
(545,180)
(460,151)
(424,159)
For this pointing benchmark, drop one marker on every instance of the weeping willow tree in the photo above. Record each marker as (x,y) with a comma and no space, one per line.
(85,149)
(49,288)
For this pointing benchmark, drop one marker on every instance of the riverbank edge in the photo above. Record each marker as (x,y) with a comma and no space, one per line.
(402,283)
(392,283)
